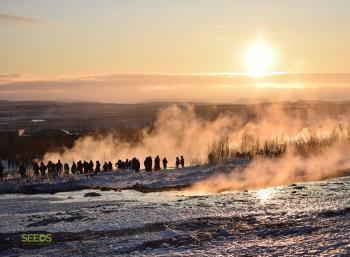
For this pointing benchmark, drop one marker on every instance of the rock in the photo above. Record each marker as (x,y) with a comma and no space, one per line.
(91,194)
(170,233)
(223,232)
(298,187)
(105,189)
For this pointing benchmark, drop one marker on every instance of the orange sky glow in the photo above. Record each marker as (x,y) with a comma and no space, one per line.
(218,51)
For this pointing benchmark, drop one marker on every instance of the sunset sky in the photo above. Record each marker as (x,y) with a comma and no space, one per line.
(60,46)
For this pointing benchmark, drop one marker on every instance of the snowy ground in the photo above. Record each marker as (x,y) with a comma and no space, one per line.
(160,180)
(300,219)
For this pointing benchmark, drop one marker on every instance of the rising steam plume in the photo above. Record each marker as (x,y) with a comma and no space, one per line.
(177,131)
(180,131)
(273,172)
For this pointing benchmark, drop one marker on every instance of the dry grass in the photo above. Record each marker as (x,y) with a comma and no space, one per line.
(219,150)
(305,144)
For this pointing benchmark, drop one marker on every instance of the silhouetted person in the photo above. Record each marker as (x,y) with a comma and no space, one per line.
(182,161)
(59,167)
(110,166)
(98,167)
(105,167)
(165,163)
(79,167)
(137,165)
(145,163)
(127,164)
(85,167)
(119,165)
(1,171)
(148,163)
(157,163)
(36,169)
(55,170)
(133,164)
(42,170)
(22,170)
(91,166)
(177,163)
(66,168)
(50,169)
(74,168)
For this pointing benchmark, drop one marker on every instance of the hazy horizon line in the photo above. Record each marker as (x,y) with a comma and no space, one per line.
(146,87)
(178,101)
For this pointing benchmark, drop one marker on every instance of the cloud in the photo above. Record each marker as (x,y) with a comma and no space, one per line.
(21,19)
(278,85)
(18,77)
(219,88)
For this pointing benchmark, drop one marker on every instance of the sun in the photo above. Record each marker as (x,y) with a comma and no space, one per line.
(258,59)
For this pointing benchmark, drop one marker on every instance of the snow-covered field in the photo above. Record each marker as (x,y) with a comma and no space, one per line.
(300,219)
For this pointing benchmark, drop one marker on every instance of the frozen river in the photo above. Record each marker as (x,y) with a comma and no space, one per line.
(301,219)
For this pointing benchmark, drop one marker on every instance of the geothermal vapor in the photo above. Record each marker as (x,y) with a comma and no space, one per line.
(178,130)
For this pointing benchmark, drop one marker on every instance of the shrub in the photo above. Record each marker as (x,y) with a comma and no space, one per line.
(219,150)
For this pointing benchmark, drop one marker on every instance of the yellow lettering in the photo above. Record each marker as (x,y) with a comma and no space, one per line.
(48,238)
(24,238)
(42,238)
(36,238)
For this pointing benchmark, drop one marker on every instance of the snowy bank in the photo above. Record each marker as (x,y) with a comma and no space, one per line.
(171,179)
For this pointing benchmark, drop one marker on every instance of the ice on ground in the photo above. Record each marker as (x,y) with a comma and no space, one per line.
(300,219)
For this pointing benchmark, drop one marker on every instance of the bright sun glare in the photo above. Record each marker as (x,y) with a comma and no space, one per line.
(258,59)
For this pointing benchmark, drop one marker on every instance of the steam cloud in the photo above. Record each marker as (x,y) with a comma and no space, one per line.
(180,131)
(273,172)
(176,132)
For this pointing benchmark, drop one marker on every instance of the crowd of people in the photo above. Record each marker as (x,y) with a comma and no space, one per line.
(52,170)
(1,171)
